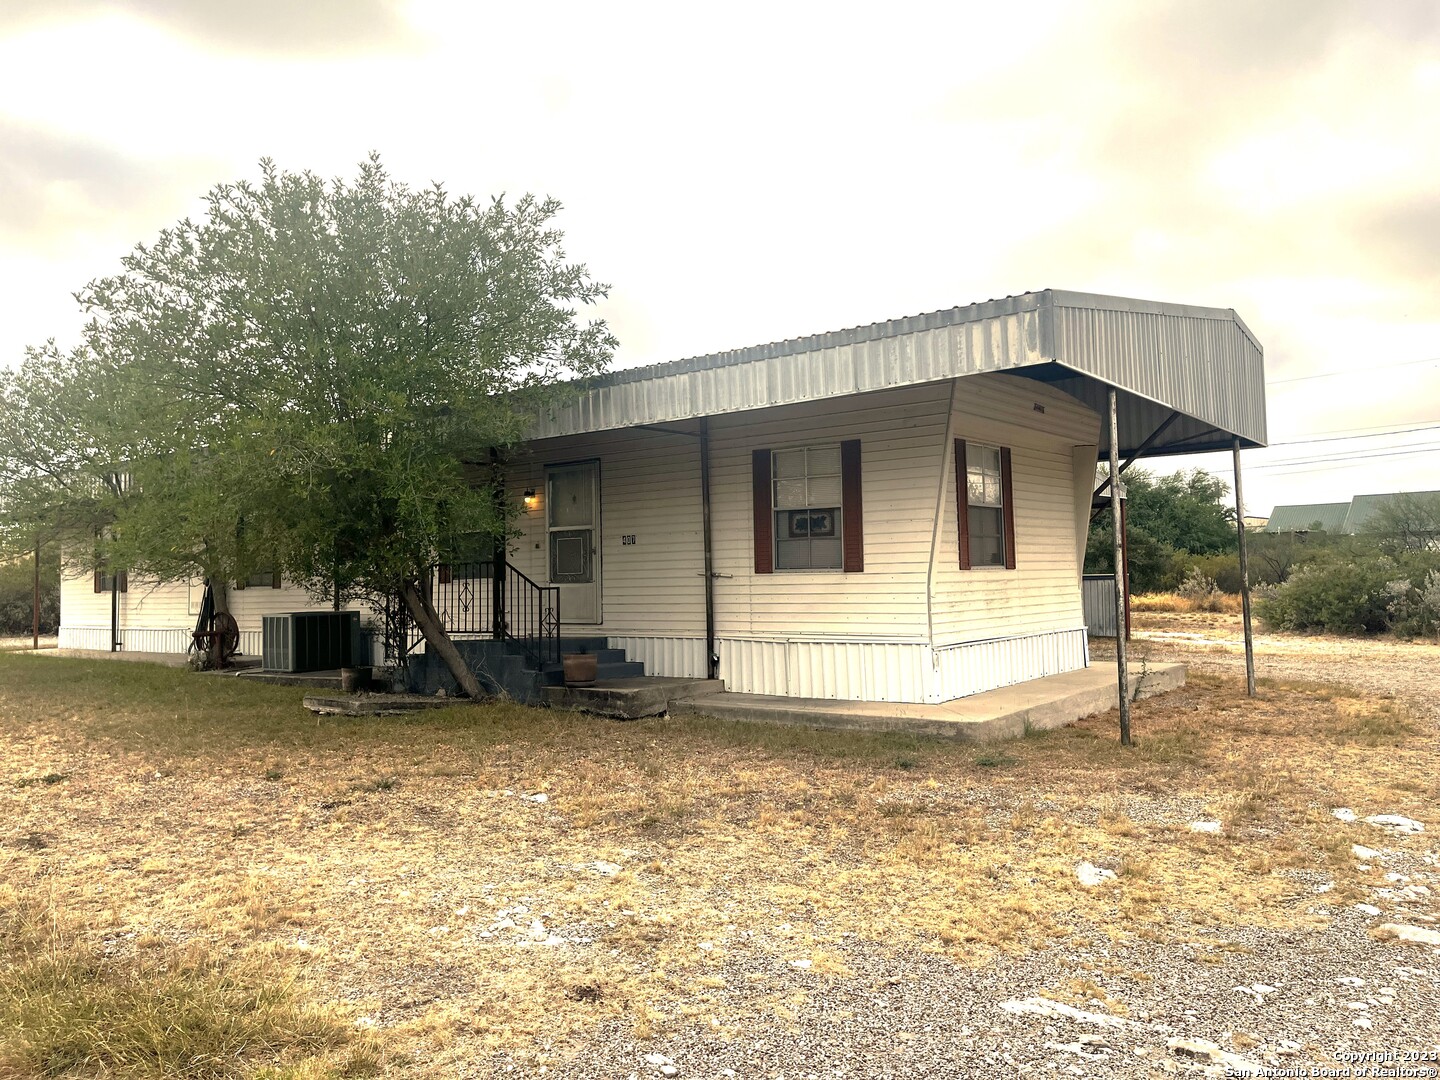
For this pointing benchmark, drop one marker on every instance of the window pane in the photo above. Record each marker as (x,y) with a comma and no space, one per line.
(977,487)
(825,460)
(572,495)
(979,456)
(789,463)
(824,491)
(792,555)
(985,551)
(789,494)
(992,490)
(825,553)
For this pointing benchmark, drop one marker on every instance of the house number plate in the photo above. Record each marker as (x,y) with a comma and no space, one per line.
(628,538)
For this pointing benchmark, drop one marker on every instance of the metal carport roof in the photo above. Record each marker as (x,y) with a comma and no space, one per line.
(1194,375)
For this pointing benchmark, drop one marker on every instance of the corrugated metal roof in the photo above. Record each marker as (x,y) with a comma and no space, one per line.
(1364,507)
(1200,362)
(1300,517)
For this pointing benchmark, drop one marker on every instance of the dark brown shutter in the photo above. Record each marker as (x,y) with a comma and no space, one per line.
(764,515)
(1007,503)
(852,512)
(99,581)
(275,579)
(124,581)
(962,505)
(444,571)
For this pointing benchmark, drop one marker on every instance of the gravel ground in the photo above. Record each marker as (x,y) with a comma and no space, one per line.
(1270,998)
(1200,1003)
(1408,670)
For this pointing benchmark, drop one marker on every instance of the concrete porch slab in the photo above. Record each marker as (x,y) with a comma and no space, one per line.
(1006,713)
(630,699)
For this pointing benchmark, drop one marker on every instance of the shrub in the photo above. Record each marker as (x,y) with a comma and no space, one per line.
(1414,607)
(1337,595)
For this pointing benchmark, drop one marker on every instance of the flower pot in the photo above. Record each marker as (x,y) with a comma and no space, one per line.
(580,668)
(355,678)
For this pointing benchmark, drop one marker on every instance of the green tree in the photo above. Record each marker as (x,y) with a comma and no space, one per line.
(1166,517)
(1406,522)
(317,377)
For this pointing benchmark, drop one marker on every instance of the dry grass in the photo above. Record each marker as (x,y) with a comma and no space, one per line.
(1222,603)
(385,857)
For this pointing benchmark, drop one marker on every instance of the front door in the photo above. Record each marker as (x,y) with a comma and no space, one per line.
(573,522)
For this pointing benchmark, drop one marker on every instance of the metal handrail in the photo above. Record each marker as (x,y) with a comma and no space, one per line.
(488,597)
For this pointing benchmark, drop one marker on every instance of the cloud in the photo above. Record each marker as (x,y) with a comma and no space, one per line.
(59,191)
(256,26)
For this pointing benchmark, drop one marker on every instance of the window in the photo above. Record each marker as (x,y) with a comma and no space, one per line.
(984,505)
(260,579)
(105,582)
(472,555)
(808,513)
(807,500)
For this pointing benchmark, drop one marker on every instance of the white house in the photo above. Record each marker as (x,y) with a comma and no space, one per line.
(894,512)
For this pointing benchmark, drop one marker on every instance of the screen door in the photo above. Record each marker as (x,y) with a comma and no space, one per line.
(573,520)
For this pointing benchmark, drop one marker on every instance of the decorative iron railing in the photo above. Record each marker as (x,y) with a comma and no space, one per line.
(482,599)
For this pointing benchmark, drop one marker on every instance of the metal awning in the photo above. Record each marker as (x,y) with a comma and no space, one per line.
(1188,379)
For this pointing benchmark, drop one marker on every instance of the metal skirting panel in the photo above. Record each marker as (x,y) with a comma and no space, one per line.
(84,637)
(838,670)
(1097,593)
(132,639)
(976,666)
(672,657)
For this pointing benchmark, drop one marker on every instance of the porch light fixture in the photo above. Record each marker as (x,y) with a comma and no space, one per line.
(530,499)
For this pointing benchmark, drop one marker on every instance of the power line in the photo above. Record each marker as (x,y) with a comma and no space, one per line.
(1333,458)
(1365,371)
(1347,438)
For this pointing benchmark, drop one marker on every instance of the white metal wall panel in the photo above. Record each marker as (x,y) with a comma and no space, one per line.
(895,671)
(85,637)
(749,666)
(974,667)
(681,658)
(1203,362)
(902,352)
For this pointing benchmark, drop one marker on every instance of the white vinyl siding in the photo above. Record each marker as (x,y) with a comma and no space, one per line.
(1043,593)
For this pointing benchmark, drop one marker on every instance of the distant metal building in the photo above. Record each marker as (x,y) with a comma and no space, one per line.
(1344,518)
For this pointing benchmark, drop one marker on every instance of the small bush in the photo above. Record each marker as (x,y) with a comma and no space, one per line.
(1336,594)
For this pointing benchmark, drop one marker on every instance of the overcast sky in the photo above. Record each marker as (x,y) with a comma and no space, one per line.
(745,172)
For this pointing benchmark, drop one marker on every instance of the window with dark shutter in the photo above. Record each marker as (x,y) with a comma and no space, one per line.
(808,511)
(984,505)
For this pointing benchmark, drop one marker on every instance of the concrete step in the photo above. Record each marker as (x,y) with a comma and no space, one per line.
(630,699)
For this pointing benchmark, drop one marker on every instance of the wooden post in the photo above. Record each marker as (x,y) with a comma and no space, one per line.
(1244,574)
(1118,527)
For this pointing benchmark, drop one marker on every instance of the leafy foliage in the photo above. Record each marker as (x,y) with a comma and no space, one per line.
(1167,518)
(17,594)
(316,376)
(1349,592)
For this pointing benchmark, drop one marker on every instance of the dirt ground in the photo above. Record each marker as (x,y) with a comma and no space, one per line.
(496,891)
(1409,670)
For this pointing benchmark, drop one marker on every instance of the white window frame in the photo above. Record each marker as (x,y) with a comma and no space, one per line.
(981,472)
(837,508)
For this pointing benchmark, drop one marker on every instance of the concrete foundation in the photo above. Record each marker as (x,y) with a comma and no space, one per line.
(1006,713)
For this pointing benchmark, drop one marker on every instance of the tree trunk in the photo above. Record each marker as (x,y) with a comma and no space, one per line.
(220,597)
(436,638)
